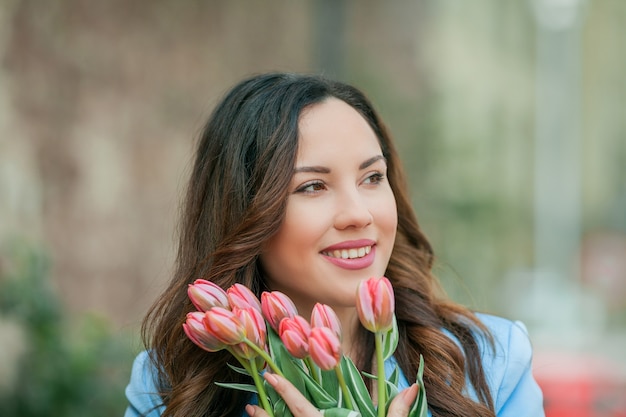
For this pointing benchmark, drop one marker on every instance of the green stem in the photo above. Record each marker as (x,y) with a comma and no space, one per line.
(313,370)
(344,388)
(259,387)
(245,363)
(265,356)
(380,383)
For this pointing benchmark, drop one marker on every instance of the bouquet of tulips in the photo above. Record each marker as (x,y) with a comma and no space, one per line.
(270,335)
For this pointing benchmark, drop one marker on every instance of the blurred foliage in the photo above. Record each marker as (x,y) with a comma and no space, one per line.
(72,366)
(466,129)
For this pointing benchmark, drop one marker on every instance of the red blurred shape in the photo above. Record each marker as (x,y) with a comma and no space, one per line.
(580,385)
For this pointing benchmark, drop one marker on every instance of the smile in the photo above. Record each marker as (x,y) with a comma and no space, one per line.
(353,253)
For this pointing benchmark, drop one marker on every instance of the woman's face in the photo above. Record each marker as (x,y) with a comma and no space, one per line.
(340,222)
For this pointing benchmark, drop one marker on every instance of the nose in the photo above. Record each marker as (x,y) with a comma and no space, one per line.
(352,211)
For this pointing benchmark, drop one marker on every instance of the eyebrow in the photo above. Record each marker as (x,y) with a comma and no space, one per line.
(371,161)
(323,170)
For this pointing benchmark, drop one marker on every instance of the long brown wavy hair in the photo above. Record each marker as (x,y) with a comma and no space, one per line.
(236,200)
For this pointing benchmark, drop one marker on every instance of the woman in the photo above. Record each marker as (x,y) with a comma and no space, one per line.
(297,187)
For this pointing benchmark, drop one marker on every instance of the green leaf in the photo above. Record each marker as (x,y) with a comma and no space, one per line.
(277,349)
(281,409)
(420,406)
(273,396)
(330,384)
(391,384)
(357,388)
(420,369)
(390,340)
(340,412)
(394,377)
(294,372)
(238,369)
(370,376)
(292,368)
(392,391)
(317,395)
(241,387)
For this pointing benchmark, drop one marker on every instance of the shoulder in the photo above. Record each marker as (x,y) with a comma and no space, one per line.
(141,391)
(512,350)
(508,368)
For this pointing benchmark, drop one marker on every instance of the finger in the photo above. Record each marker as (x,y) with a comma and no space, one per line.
(256,411)
(297,403)
(401,405)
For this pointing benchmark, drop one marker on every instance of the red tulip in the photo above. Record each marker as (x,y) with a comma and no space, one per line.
(197,332)
(375,304)
(205,294)
(276,306)
(255,331)
(224,325)
(241,296)
(324,348)
(295,332)
(324,316)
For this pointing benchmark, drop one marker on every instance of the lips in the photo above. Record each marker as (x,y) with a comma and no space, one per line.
(355,254)
(352,253)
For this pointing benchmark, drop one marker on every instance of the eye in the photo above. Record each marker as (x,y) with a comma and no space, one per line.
(311,187)
(374,178)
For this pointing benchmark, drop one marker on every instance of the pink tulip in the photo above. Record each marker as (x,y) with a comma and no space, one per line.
(255,331)
(324,316)
(205,294)
(276,306)
(324,348)
(295,332)
(224,325)
(375,304)
(241,296)
(195,330)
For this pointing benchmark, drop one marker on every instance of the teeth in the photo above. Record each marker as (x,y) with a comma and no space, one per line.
(349,253)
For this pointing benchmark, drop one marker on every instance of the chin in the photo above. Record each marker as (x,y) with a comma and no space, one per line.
(345,299)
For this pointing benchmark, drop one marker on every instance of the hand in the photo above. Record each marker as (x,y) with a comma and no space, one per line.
(401,404)
(301,407)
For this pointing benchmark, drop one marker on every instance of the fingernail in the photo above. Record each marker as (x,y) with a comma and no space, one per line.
(250,410)
(409,395)
(271,378)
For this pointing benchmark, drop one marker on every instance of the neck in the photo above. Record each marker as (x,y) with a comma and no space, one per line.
(349,324)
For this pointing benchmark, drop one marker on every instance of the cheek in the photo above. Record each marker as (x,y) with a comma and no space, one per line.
(304,224)
(293,244)
(387,214)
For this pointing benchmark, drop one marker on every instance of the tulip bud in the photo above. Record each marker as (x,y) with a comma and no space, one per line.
(276,306)
(224,325)
(197,332)
(324,316)
(375,304)
(295,332)
(205,295)
(255,331)
(241,296)
(324,348)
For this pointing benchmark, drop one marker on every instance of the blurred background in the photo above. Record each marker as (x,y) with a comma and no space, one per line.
(510,117)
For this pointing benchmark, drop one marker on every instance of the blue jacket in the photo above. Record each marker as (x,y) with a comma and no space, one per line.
(508,373)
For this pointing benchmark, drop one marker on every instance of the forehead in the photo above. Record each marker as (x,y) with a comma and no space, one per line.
(333,127)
